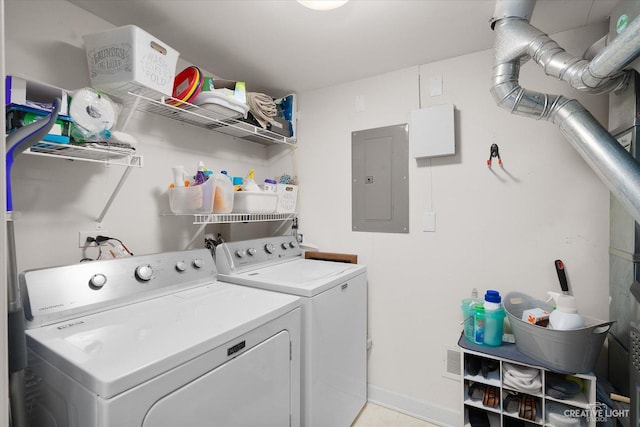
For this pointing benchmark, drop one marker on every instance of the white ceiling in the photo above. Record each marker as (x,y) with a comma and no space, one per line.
(279,47)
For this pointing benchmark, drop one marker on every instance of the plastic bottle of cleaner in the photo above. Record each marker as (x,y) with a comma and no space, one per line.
(237,183)
(201,177)
(468,314)
(478,324)
(565,316)
(270,185)
(250,184)
(223,199)
(178,176)
(493,318)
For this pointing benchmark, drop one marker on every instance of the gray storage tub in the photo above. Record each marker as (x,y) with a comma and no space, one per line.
(574,351)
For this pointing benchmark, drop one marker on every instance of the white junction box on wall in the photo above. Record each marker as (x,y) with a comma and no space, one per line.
(432,131)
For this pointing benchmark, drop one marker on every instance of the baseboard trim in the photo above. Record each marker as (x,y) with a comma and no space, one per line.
(413,407)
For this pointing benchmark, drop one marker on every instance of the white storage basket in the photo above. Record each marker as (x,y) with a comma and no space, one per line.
(129,59)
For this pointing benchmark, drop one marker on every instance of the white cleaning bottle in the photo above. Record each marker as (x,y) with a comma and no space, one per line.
(223,198)
(250,184)
(565,316)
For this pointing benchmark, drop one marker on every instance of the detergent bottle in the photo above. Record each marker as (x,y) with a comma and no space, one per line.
(565,316)
(494,315)
(223,198)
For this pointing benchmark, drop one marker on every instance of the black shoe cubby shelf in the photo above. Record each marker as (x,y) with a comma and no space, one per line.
(501,392)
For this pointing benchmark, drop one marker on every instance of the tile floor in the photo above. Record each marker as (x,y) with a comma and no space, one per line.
(379,416)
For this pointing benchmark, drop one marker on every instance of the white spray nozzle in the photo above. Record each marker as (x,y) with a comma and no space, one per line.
(564,303)
(553,296)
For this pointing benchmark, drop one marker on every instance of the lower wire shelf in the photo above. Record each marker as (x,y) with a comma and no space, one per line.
(236,217)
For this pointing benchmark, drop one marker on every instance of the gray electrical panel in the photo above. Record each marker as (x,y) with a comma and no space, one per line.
(380,179)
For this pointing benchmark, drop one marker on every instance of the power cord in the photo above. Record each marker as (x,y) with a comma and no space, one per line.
(100,240)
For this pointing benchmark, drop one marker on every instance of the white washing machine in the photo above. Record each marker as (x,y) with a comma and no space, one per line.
(334,320)
(157,341)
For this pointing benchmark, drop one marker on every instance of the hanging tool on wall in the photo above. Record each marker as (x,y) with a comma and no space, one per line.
(16,143)
(494,152)
(562,277)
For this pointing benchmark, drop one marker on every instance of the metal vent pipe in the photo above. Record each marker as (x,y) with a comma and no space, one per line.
(518,41)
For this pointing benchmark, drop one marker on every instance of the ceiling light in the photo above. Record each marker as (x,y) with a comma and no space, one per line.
(322,4)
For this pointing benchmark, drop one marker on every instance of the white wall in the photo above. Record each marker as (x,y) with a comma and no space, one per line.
(498,228)
(495,228)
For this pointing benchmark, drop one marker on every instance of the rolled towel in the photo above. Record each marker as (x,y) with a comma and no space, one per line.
(262,107)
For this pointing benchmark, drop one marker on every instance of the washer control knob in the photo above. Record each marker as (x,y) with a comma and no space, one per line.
(240,253)
(285,246)
(181,266)
(292,244)
(144,272)
(197,263)
(97,281)
(269,248)
(251,251)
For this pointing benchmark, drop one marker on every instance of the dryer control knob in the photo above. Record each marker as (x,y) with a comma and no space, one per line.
(97,281)
(285,246)
(251,251)
(198,263)
(144,272)
(269,248)
(181,266)
(240,253)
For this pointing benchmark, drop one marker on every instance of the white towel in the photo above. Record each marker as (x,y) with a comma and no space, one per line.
(521,378)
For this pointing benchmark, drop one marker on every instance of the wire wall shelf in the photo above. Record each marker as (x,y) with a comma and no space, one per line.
(106,155)
(202,117)
(240,217)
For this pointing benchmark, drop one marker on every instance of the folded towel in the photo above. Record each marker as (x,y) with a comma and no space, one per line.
(521,378)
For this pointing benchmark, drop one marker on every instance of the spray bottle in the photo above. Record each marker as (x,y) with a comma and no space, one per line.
(250,183)
(565,316)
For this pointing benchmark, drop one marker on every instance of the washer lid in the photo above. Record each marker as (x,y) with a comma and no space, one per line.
(303,277)
(112,351)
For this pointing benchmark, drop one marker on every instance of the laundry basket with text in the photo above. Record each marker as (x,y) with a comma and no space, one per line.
(571,351)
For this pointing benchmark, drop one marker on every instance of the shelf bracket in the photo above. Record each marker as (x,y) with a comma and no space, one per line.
(115,192)
(195,236)
(127,171)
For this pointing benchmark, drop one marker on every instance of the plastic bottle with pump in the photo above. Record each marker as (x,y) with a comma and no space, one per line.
(468,307)
(565,316)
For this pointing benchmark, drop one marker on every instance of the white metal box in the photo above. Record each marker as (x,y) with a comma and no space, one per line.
(129,59)
(432,131)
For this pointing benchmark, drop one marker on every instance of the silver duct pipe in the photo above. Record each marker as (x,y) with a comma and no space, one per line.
(517,41)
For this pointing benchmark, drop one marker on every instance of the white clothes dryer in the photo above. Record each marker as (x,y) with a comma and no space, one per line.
(157,341)
(334,320)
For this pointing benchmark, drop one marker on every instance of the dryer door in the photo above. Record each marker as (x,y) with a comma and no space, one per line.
(251,390)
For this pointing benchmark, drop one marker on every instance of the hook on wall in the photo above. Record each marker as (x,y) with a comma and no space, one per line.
(494,152)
